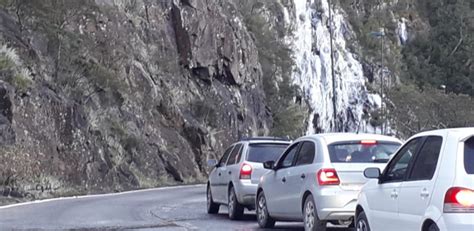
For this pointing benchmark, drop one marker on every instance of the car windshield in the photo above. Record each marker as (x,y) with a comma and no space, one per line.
(469,155)
(362,152)
(265,152)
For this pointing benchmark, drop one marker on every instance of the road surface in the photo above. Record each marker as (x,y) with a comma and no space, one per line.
(175,208)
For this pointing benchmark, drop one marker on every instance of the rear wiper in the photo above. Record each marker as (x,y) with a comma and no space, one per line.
(381,160)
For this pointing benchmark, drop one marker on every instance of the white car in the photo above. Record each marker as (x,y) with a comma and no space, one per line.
(233,180)
(427,186)
(317,179)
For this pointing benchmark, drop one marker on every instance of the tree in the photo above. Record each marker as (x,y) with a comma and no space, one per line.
(444,56)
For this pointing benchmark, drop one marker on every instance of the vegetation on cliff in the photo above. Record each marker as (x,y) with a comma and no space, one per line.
(266,21)
(434,63)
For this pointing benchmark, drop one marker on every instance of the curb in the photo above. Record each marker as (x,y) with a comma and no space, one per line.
(98,195)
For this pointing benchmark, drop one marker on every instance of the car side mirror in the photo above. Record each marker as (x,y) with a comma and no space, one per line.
(269,164)
(212,163)
(372,173)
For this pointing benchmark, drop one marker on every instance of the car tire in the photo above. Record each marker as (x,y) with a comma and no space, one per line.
(310,216)
(433,227)
(212,207)
(236,210)
(362,224)
(263,217)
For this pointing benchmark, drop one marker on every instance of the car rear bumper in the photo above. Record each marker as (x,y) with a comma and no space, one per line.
(335,204)
(456,221)
(246,193)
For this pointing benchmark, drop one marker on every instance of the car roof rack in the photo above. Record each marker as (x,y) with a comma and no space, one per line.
(265,138)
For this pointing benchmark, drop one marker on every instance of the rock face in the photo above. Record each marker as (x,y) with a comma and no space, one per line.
(118,95)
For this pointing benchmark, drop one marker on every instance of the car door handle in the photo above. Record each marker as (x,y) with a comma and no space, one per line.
(424,193)
(283,179)
(303,176)
(394,195)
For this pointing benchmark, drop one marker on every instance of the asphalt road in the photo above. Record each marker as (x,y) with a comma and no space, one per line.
(176,208)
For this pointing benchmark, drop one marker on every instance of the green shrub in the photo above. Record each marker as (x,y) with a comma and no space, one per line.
(127,140)
(117,129)
(21,82)
(105,79)
(6,64)
(443,56)
(413,110)
(11,69)
(289,121)
(441,46)
(5,3)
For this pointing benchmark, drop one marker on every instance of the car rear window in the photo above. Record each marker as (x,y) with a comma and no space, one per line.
(265,152)
(362,151)
(469,155)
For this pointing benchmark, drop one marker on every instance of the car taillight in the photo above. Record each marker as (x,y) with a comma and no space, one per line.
(459,200)
(328,176)
(245,171)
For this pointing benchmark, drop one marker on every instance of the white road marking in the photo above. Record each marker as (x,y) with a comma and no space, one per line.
(99,195)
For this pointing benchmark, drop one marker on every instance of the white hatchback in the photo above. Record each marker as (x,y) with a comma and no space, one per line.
(428,185)
(318,177)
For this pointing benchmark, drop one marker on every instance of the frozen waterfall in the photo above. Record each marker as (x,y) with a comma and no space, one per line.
(313,75)
(402,31)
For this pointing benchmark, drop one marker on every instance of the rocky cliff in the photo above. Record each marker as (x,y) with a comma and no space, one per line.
(111,95)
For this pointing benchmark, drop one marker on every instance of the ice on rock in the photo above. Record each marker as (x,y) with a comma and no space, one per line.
(313,74)
(402,31)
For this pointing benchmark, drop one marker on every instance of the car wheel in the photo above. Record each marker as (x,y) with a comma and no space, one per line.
(433,227)
(236,210)
(263,218)
(212,207)
(310,216)
(362,223)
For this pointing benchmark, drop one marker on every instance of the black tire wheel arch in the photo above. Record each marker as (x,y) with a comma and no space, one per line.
(433,227)
(236,210)
(310,216)
(263,217)
(362,223)
(212,207)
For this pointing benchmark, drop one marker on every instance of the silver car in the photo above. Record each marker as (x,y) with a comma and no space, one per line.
(317,179)
(234,179)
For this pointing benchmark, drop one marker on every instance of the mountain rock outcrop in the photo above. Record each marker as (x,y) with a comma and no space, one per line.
(108,95)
